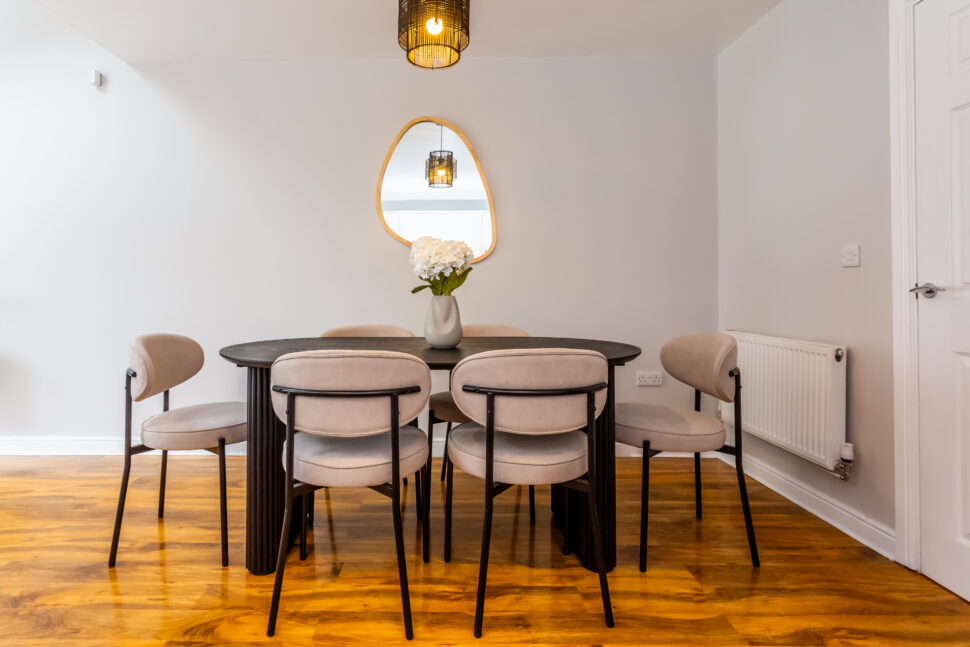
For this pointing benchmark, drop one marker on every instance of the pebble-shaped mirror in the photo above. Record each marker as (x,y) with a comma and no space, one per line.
(432,184)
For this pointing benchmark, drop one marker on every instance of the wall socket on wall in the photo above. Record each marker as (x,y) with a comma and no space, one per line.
(850,255)
(650,378)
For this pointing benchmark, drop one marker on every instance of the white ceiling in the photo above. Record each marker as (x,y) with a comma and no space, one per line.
(140,31)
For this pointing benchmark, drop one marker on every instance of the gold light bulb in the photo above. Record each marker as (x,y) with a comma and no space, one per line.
(434,26)
(441,172)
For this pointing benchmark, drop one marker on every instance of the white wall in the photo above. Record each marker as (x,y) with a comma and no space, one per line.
(235,202)
(803,166)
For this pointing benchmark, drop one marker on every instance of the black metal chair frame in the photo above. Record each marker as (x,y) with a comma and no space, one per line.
(432,421)
(130,451)
(735,451)
(585,484)
(392,490)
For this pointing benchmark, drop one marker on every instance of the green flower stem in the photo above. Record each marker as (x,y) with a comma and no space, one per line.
(443,286)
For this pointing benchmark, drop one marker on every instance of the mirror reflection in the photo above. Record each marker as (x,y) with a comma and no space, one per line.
(432,185)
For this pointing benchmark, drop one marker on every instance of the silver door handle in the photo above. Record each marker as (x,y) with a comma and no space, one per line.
(927,290)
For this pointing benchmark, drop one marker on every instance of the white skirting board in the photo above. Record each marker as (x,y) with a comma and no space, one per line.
(112,446)
(873,534)
(83,446)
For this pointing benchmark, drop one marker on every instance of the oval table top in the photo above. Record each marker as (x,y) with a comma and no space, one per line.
(262,354)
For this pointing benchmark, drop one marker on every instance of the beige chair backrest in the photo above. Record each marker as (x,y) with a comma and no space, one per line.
(704,361)
(162,361)
(349,370)
(369,330)
(540,368)
(492,330)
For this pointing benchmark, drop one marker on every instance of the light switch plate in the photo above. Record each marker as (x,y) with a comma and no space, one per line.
(850,255)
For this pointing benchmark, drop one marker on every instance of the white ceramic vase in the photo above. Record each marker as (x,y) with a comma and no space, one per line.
(442,325)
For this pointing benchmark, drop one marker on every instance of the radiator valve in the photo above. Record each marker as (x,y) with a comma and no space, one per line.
(848,452)
(844,466)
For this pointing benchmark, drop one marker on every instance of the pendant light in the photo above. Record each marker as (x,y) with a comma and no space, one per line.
(433,32)
(441,167)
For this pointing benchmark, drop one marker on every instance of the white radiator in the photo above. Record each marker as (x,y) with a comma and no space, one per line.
(792,395)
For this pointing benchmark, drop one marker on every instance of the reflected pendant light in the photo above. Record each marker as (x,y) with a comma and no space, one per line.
(433,32)
(441,167)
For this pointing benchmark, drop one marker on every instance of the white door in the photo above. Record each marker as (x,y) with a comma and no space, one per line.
(942,69)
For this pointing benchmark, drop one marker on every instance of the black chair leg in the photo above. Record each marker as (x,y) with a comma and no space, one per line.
(425,476)
(405,483)
(419,496)
(427,466)
(644,505)
(444,458)
(532,503)
(449,487)
(418,488)
(304,518)
(427,490)
(120,513)
(565,526)
(483,567)
(223,504)
(402,567)
(161,485)
(748,523)
(600,562)
(697,483)
(280,564)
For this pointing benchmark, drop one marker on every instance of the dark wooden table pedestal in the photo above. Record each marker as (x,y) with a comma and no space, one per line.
(264,466)
(575,521)
(265,478)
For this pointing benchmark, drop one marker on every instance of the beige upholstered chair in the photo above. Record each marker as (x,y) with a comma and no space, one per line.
(158,363)
(442,406)
(368,330)
(373,330)
(527,411)
(707,362)
(346,415)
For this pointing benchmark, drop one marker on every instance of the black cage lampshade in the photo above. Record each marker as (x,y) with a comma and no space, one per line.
(433,32)
(441,168)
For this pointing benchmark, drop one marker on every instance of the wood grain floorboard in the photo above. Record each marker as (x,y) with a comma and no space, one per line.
(816,586)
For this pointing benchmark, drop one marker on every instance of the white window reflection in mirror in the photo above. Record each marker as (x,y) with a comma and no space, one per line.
(432,184)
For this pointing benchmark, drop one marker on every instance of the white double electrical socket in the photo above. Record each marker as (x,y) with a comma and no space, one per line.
(650,378)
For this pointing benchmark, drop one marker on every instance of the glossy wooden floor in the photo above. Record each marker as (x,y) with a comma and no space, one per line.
(816,586)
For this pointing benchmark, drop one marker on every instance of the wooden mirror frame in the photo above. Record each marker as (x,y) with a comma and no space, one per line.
(478,165)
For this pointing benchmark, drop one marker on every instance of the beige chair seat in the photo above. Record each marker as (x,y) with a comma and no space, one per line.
(520,459)
(444,408)
(199,426)
(668,429)
(355,461)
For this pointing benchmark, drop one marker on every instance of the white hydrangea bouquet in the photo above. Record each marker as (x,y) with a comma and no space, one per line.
(442,264)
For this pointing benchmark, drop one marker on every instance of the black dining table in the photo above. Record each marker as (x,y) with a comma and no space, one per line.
(264,465)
